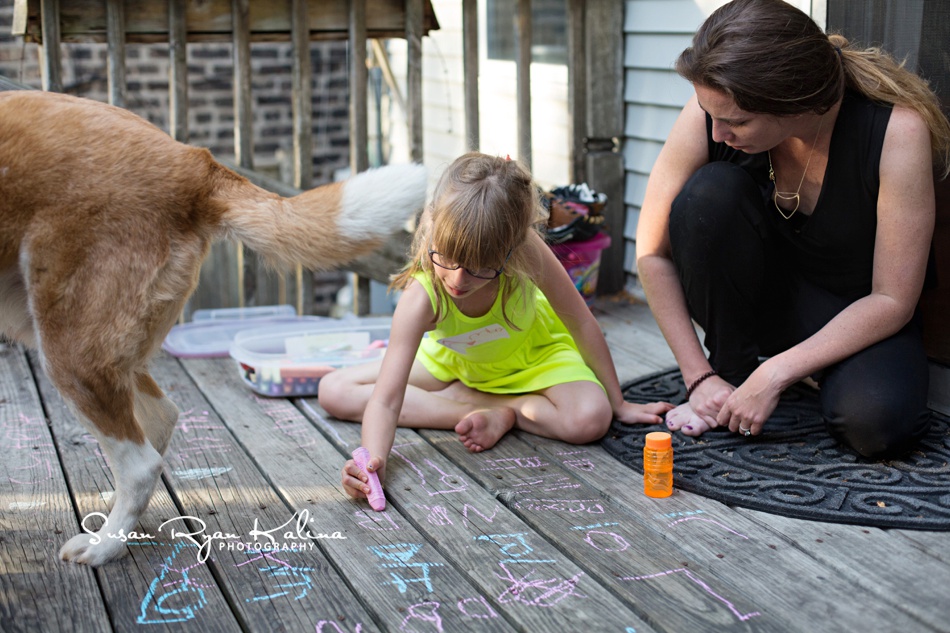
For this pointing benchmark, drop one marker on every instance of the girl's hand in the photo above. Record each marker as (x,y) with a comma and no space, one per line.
(752,403)
(356,482)
(652,413)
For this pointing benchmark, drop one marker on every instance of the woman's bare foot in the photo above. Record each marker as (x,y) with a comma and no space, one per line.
(684,419)
(481,430)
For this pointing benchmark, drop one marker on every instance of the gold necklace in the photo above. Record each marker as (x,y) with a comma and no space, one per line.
(789,196)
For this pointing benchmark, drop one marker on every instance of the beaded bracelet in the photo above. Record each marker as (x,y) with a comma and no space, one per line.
(698,381)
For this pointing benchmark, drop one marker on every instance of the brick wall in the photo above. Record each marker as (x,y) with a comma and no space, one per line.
(210,97)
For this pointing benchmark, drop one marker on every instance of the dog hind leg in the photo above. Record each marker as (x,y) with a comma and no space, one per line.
(136,467)
(104,402)
(157,414)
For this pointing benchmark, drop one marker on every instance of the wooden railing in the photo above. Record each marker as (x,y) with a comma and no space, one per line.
(594,60)
(231,276)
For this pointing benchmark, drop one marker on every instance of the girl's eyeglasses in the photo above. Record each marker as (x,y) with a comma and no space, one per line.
(481,273)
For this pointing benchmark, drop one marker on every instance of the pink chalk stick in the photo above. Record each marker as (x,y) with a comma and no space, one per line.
(377,498)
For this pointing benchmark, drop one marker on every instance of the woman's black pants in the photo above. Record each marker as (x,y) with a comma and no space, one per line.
(750,305)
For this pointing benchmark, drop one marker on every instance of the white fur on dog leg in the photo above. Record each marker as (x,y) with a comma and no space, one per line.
(136,468)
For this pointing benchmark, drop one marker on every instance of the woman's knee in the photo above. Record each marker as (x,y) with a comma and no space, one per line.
(716,199)
(877,425)
(876,401)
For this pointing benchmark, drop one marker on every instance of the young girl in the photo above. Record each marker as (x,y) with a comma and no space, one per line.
(511,342)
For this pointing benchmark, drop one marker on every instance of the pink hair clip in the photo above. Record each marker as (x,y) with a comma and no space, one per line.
(507,156)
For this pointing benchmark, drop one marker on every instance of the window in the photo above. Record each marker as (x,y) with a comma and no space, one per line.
(548,30)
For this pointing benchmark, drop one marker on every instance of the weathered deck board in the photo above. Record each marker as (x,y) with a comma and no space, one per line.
(765,554)
(523,574)
(891,575)
(719,558)
(217,481)
(936,544)
(389,566)
(451,552)
(159,584)
(37,591)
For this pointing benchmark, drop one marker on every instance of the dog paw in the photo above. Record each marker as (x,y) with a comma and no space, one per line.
(92,549)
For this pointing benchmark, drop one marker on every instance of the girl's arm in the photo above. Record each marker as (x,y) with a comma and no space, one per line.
(412,318)
(567,302)
(686,150)
(905,222)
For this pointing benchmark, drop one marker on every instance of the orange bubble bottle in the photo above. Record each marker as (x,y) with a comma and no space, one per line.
(658,465)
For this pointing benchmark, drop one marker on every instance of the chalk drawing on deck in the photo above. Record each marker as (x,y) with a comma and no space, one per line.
(173,596)
(702,584)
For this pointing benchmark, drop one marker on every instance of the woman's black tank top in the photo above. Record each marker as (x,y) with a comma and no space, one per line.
(834,246)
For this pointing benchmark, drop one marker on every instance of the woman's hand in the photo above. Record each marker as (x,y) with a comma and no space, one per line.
(356,482)
(749,406)
(699,414)
(708,398)
(652,413)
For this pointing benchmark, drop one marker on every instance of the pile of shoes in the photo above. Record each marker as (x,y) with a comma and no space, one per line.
(575,213)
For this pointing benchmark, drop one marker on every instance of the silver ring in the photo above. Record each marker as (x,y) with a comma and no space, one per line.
(747,432)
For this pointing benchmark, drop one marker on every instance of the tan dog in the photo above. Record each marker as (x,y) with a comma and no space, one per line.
(104,223)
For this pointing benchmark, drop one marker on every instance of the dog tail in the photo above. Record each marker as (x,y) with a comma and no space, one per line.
(324,227)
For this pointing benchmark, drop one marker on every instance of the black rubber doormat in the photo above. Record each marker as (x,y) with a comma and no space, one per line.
(794,468)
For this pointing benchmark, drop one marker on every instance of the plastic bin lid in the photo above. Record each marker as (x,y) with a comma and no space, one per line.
(236,314)
(268,343)
(211,338)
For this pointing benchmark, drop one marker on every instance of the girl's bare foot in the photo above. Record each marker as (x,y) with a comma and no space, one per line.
(481,430)
(684,419)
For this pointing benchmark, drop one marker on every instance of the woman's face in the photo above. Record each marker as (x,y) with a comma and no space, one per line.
(748,132)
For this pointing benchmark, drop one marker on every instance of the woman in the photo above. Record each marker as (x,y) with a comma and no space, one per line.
(790,215)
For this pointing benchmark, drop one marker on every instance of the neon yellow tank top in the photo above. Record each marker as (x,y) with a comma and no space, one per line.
(487,354)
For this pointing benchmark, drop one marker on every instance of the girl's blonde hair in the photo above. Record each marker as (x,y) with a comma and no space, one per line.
(481,213)
(772,58)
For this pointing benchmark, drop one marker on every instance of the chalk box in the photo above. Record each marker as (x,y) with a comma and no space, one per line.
(290,359)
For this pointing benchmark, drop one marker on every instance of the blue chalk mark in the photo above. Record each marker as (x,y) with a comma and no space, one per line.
(155,609)
(277,571)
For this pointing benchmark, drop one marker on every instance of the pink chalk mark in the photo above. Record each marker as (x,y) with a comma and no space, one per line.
(425,611)
(456,483)
(621,542)
(269,557)
(336,627)
(37,465)
(367,518)
(742,616)
(511,463)
(487,519)
(537,593)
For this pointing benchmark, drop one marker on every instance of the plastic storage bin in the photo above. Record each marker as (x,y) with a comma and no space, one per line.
(290,359)
(211,332)
(581,260)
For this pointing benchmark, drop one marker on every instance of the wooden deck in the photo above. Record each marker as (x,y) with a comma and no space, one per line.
(533,535)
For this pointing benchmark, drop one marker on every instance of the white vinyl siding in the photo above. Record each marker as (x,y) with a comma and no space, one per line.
(655,33)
